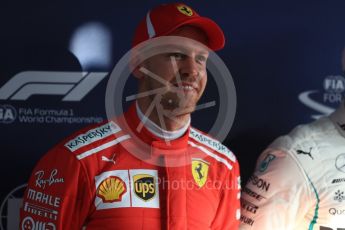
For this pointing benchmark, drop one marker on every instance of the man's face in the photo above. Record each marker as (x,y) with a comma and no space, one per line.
(182,71)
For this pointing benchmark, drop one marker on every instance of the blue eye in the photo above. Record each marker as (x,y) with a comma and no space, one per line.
(201,58)
(178,56)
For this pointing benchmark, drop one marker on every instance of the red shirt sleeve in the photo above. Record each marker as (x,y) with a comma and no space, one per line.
(58,193)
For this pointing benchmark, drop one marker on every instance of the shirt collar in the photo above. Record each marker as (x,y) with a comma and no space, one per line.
(158,131)
(132,122)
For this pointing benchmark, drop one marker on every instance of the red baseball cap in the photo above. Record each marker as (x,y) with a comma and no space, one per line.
(164,19)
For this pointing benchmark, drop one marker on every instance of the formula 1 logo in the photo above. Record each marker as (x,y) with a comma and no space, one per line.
(73,85)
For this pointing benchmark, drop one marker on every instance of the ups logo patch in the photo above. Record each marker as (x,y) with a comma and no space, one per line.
(144,186)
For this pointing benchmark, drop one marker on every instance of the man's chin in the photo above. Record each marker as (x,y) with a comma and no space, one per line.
(187,110)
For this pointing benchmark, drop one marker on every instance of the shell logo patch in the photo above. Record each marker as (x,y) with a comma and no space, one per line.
(200,171)
(144,186)
(185,10)
(111,189)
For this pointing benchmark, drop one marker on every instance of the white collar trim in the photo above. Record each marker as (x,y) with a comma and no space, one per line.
(158,131)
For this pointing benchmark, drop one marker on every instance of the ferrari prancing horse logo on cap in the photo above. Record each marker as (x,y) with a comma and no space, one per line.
(200,171)
(185,10)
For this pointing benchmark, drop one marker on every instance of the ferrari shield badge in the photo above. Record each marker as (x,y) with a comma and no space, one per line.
(200,171)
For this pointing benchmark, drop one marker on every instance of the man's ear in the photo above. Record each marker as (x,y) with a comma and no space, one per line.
(138,73)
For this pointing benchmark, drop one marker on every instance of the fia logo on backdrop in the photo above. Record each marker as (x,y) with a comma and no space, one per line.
(324,102)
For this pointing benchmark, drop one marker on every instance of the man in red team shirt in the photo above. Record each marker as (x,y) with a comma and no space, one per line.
(184,180)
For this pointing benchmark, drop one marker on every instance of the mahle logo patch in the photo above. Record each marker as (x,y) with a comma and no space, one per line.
(200,171)
(144,186)
(185,10)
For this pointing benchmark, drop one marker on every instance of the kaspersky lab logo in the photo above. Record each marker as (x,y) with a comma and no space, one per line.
(323,103)
(74,86)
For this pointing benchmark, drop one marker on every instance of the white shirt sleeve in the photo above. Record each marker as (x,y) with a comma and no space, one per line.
(276,195)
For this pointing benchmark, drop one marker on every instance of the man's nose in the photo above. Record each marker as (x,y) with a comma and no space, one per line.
(189,68)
